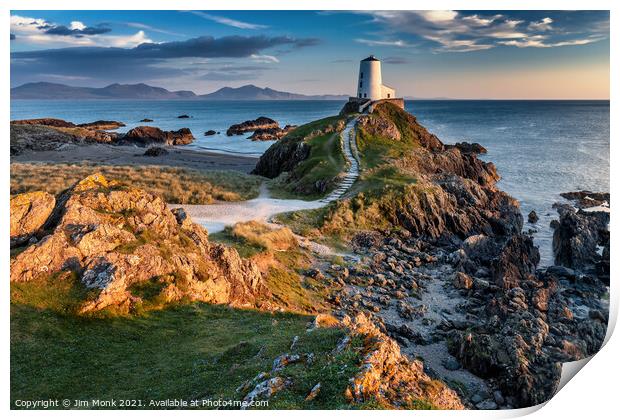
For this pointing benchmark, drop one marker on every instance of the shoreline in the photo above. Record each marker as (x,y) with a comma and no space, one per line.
(104,154)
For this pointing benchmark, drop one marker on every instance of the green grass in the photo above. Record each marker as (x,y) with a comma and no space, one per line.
(185,352)
(323,165)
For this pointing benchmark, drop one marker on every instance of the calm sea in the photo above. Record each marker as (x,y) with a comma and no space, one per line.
(541,148)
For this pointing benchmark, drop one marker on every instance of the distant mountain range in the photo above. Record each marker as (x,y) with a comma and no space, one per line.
(44,90)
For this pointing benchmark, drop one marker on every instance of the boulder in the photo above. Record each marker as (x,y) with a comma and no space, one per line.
(251,125)
(532,217)
(183,116)
(146,120)
(462,281)
(29,212)
(210,133)
(144,135)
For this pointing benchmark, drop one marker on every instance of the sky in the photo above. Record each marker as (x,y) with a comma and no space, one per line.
(425,54)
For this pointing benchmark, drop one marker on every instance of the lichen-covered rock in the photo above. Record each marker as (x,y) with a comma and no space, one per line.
(29,212)
(387,376)
(118,239)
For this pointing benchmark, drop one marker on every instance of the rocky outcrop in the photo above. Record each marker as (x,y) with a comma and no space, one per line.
(29,212)
(585,199)
(389,377)
(283,156)
(376,125)
(252,125)
(50,122)
(210,133)
(469,148)
(277,133)
(121,241)
(516,261)
(144,135)
(579,236)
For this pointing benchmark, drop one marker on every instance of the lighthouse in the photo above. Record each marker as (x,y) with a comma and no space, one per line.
(370,87)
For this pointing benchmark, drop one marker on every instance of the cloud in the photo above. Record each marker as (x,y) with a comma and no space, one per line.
(538,41)
(226,21)
(139,25)
(542,25)
(453,31)
(39,31)
(147,60)
(263,58)
(382,43)
(77,29)
(395,60)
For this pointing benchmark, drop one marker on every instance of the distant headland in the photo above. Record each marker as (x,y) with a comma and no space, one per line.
(45,90)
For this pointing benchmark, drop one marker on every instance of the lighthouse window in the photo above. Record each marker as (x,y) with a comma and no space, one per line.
(364,95)
(361,75)
(360,84)
(388,96)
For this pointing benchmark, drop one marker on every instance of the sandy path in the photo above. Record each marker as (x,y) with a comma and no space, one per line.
(215,217)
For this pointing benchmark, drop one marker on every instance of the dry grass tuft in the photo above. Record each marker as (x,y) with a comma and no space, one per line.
(175,185)
(257,233)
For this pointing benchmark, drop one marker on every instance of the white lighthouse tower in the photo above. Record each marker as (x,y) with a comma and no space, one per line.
(370,85)
(370,88)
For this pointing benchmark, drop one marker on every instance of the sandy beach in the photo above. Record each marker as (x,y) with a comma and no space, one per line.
(104,154)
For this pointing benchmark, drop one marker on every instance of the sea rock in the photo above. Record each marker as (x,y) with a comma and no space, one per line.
(210,133)
(102,125)
(184,116)
(585,199)
(263,134)
(532,217)
(578,236)
(146,120)
(117,239)
(29,212)
(251,125)
(155,151)
(144,135)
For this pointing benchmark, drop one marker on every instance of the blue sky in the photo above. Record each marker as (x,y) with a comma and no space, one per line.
(459,54)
